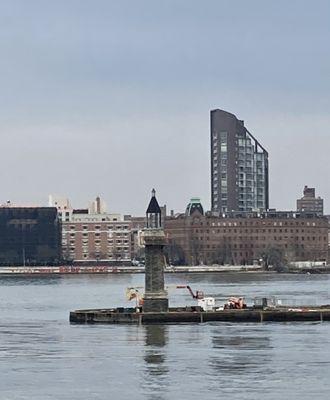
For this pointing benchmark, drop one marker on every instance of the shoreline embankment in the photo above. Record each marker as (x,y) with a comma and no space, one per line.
(74,270)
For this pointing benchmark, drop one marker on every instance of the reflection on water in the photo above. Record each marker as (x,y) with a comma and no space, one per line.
(240,341)
(240,352)
(156,335)
(156,369)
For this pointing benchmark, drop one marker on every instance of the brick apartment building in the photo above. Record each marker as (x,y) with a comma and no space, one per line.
(89,238)
(243,238)
(93,236)
(309,202)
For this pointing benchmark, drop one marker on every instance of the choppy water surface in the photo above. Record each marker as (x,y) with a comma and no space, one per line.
(43,357)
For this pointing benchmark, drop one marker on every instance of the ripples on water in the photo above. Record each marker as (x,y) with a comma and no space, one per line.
(42,356)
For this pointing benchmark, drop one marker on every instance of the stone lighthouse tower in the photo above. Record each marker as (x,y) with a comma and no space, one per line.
(155,297)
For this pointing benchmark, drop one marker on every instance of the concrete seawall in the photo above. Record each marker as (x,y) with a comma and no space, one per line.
(62,270)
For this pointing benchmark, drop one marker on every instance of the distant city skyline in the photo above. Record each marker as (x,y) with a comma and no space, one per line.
(113,99)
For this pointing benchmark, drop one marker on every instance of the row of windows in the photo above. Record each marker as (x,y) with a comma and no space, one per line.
(97,251)
(86,242)
(254,223)
(247,246)
(98,243)
(254,231)
(98,234)
(110,256)
(98,227)
(256,238)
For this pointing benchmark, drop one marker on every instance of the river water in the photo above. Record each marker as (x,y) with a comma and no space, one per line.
(43,357)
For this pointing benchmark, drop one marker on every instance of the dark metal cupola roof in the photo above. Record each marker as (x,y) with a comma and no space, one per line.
(154,213)
(153,207)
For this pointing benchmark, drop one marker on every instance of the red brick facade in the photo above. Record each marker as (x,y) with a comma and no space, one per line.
(242,240)
(97,241)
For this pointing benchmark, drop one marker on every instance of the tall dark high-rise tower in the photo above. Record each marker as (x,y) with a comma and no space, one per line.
(239,166)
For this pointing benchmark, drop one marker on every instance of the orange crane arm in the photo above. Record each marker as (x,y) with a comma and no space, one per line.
(198,295)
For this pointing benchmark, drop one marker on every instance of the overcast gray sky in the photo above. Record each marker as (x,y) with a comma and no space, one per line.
(113,97)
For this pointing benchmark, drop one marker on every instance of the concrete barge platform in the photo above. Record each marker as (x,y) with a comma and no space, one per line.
(189,315)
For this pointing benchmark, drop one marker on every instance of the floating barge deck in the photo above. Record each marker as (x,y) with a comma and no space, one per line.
(191,315)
